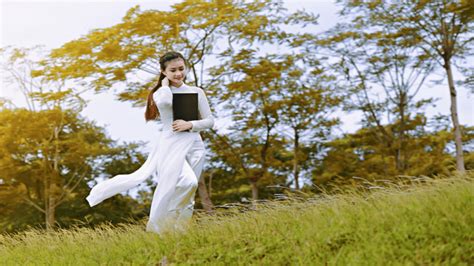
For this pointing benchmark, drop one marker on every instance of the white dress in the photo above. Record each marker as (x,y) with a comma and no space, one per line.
(175,163)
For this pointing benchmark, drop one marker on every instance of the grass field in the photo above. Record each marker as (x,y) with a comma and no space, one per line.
(426,223)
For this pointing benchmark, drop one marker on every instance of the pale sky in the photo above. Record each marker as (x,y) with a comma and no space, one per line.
(53,23)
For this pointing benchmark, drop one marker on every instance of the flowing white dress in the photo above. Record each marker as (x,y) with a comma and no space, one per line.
(175,163)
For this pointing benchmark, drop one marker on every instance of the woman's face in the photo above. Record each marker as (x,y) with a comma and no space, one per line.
(175,70)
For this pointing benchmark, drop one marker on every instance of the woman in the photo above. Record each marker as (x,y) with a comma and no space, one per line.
(176,161)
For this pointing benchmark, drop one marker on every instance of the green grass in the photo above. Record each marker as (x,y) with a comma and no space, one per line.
(426,223)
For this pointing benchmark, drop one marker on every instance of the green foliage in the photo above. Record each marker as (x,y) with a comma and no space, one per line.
(115,54)
(53,154)
(362,155)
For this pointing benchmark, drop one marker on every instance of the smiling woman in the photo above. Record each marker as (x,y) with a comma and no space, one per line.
(177,160)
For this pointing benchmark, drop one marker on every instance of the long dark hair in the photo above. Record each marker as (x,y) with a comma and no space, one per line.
(151,112)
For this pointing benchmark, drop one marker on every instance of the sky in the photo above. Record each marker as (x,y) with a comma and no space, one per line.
(53,23)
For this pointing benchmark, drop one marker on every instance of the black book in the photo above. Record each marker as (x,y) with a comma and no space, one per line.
(185,106)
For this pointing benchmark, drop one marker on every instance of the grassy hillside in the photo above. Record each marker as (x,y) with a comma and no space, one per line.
(427,223)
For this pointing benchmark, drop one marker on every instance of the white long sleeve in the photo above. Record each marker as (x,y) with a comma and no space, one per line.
(207,120)
(163,96)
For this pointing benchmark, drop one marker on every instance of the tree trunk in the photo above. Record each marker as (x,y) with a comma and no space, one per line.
(401,153)
(204,196)
(51,189)
(295,161)
(455,119)
(50,212)
(254,192)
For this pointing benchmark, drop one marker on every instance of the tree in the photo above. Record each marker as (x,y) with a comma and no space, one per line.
(382,79)
(267,96)
(441,30)
(358,156)
(43,155)
(199,29)
(48,152)
(309,96)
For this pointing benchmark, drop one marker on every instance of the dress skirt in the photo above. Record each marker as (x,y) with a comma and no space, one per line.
(175,163)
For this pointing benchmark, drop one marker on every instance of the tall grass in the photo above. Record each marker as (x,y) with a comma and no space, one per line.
(428,222)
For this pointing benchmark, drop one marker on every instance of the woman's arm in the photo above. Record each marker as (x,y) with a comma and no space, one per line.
(207,120)
(163,96)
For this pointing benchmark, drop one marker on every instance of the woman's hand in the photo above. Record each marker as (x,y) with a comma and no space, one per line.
(165,82)
(181,125)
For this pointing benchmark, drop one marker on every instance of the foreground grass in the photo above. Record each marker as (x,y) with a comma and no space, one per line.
(430,223)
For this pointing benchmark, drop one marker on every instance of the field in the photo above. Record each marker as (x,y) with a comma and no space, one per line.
(428,222)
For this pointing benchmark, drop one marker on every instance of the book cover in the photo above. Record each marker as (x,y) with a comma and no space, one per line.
(185,106)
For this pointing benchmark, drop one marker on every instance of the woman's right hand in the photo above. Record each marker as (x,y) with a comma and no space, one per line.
(165,82)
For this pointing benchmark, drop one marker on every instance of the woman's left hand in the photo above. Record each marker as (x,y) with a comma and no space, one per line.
(181,125)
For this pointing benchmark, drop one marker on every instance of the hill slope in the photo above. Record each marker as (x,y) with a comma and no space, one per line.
(425,224)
